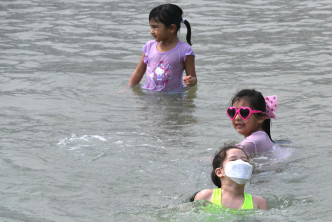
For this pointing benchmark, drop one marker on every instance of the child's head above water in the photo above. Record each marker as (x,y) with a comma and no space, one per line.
(169,14)
(231,171)
(223,156)
(251,112)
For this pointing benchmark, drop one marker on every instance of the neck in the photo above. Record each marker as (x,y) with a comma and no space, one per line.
(168,44)
(173,39)
(232,189)
(258,129)
(232,195)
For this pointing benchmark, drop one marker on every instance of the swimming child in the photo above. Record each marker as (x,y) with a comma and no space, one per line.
(166,57)
(251,115)
(231,171)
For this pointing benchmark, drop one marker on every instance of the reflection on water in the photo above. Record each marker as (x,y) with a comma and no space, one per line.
(169,111)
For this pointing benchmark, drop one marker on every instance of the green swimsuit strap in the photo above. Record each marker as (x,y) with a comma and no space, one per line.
(247,204)
(216,197)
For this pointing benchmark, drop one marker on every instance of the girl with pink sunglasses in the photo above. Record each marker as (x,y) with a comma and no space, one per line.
(251,115)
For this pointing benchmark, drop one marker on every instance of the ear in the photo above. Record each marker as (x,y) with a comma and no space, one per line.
(261,118)
(173,27)
(219,172)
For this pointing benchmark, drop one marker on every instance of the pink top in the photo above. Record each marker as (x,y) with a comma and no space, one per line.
(258,142)
(165,69)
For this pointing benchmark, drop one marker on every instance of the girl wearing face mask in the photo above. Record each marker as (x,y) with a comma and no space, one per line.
(231,170)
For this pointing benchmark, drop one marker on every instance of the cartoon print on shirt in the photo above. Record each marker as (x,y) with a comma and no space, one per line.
(161,74)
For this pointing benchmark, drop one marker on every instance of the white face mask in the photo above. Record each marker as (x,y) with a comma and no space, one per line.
(239,171)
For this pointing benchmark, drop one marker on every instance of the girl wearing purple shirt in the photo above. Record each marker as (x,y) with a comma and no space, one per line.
(251,115)
(166,57)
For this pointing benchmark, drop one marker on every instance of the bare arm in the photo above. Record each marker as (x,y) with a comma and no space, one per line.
(138,73)
(189,66)
(204,195)
(260,202)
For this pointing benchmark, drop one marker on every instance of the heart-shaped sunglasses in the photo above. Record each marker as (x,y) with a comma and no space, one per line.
(244,112)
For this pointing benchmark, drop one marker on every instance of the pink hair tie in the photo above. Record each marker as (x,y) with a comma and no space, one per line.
(271,106)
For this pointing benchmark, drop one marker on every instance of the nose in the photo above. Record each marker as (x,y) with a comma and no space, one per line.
(237,117)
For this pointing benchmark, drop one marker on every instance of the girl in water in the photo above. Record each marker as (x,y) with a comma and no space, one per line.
(231,170)
(251,115)
(166,57)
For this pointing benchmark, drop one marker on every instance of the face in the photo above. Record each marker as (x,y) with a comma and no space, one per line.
(159,31)
(252,124)
(235,154)
(231,155)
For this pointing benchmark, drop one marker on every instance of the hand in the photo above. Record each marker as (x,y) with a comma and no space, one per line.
(124,90)
(190,80)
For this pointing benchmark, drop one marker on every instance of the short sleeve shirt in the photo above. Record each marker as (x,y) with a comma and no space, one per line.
(257,143)
(165,69)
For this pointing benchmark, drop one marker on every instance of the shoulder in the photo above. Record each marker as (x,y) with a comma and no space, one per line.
(257,142)
(259,202)
(204,195)
(183,44)
(258,134)
(147,48)
(186,47)
(248,145)
(149,44)
(259,138)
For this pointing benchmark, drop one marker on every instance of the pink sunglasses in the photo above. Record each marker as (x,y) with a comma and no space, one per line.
(244,112)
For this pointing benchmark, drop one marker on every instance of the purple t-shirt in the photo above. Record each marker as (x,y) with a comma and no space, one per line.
(257,143)
(165,69)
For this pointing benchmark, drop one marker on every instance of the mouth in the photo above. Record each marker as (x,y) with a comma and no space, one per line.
(239,125)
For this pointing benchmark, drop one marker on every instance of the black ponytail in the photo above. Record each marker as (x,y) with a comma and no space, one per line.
(266,126)
(188,37)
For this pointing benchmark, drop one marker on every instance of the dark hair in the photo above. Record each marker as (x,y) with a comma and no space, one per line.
(192,198)
(257,102)
(169,14)
(218,159)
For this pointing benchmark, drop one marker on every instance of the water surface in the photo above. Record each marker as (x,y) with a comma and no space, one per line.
(76,147)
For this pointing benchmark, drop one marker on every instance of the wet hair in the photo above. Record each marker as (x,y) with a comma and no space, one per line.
(192,198)
(169,14)
(257,102)
(219,159)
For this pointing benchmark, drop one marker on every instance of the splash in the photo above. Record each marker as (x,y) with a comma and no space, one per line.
(75,142)
(274,160)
